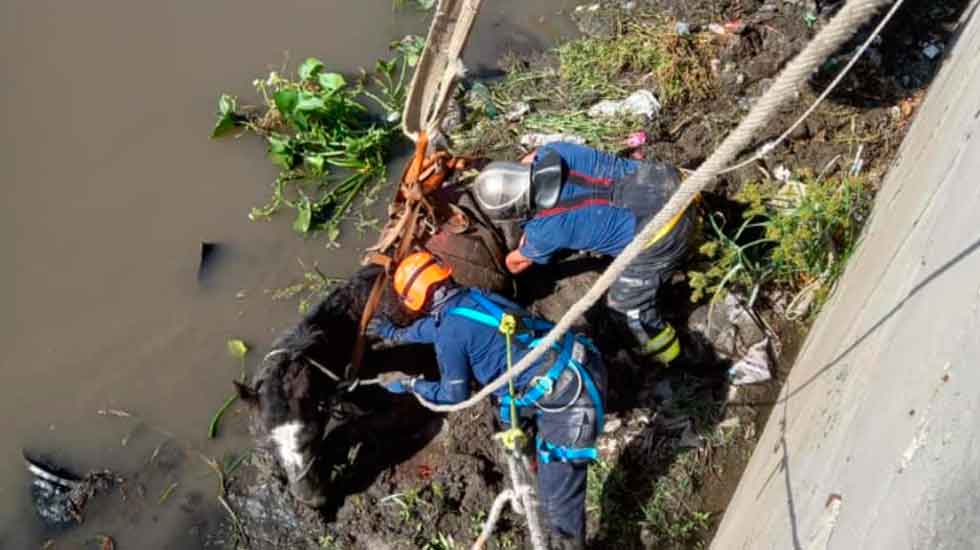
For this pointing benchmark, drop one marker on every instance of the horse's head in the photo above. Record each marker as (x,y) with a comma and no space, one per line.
(292,399)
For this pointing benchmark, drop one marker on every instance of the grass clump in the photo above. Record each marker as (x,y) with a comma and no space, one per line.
(656,512)
(668,520)
(795,236)
(551,94)
(319,132)
(645,53)
(593,67)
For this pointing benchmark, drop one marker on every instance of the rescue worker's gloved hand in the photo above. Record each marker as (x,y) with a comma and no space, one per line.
(380,326)
(396,382)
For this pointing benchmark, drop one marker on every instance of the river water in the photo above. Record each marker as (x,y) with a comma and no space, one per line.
(110,186)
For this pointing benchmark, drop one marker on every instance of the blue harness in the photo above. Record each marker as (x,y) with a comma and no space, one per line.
(490,314)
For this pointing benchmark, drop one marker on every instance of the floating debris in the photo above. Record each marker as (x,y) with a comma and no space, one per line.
(59,496)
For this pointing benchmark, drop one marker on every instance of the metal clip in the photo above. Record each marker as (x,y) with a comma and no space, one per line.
(548,385)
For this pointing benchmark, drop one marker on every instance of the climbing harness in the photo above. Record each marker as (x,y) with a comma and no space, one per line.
(601,194)
(571,355)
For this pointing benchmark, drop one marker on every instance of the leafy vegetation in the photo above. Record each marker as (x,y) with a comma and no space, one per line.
(794,236)
(668,518)
(237,349)
(311,288)
(555,91)
(320,133)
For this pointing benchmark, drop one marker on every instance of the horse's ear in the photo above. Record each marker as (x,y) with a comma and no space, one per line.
(247,394)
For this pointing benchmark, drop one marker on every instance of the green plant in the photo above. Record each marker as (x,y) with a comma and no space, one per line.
(440,541)
(794,236)
(321,135)
(559,87)
(328,542)
(667,516)
(313,287)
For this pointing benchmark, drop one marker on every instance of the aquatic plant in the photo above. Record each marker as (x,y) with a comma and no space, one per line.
(329,146)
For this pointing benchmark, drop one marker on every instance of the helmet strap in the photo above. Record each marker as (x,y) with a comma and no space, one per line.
(442,293)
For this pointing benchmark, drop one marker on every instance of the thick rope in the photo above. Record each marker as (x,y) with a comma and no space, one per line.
(769,147)
(507,496)
(827,41)
(523,500)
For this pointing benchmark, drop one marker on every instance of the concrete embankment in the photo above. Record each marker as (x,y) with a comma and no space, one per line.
(875,439)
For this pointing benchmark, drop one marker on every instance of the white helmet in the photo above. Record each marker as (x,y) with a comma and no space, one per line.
(503,190)
(513,191)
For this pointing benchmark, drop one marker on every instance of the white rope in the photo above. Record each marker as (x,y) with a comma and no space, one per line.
(827,41)
(522,499)
(506,496)
(769,147)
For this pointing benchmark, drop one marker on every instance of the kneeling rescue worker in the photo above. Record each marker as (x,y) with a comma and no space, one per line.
(569,196)
(562,394)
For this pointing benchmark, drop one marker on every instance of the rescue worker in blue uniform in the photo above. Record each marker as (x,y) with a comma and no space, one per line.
(562,394)
(570,196)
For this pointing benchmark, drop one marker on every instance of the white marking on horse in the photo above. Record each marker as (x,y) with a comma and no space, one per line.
(286,438)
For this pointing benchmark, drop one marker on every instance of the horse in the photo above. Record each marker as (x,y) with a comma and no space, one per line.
(298,394)
(297,397)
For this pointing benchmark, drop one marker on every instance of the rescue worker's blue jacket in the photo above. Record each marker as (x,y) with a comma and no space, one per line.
(464,349)
(601,228)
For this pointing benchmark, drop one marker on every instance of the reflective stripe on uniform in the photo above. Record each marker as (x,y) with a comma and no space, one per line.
(664,346)
(665,230)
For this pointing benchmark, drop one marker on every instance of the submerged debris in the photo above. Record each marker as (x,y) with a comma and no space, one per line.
(60,497)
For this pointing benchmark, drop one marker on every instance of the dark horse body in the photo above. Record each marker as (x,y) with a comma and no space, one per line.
(297,394)
(303,414)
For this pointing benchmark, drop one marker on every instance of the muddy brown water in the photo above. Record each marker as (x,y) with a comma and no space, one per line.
(110,186)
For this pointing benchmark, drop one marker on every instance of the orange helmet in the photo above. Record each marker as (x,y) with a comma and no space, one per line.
(416,276)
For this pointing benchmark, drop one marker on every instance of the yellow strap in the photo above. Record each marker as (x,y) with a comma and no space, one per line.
(670,225)
(514,438)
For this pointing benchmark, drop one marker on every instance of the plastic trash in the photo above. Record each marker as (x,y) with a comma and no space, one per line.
(537,140)
(753,367)
(641,102)
(636,139)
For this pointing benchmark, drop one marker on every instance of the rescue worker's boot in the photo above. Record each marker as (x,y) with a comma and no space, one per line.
(664,346)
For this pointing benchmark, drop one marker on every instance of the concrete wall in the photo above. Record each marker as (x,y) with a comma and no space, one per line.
(883,406)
